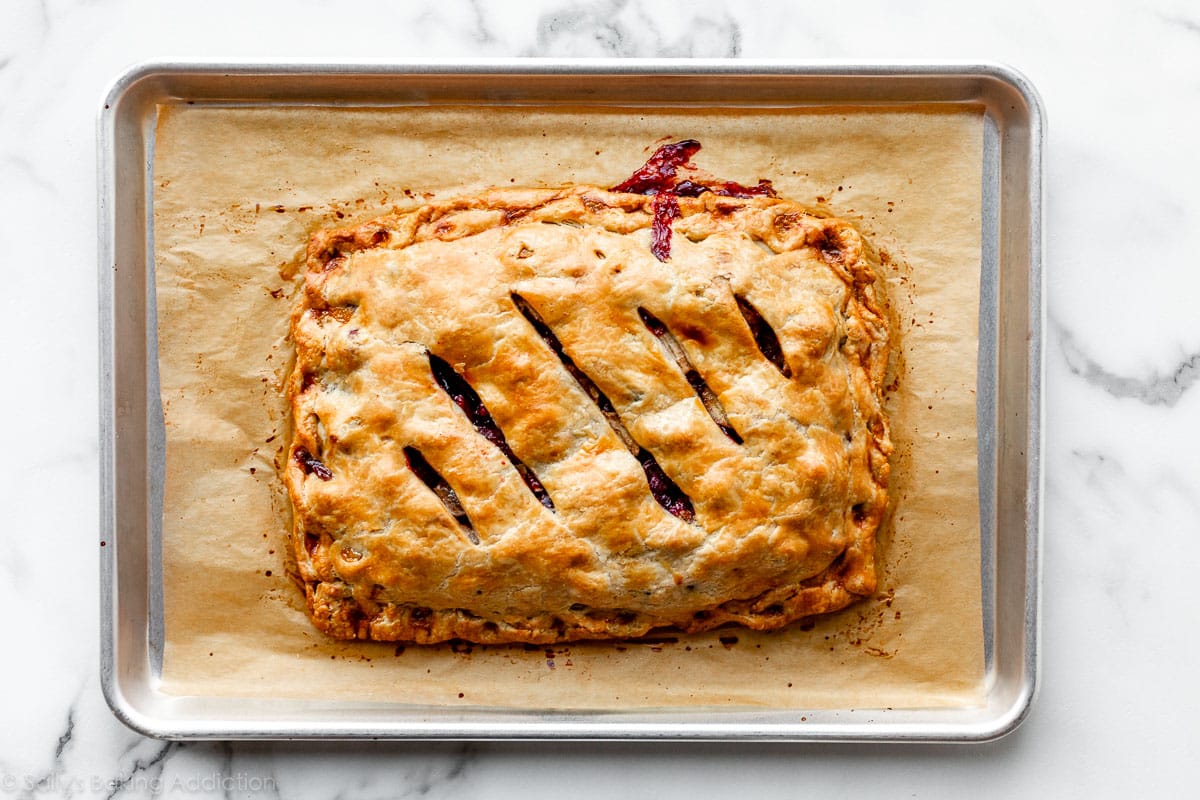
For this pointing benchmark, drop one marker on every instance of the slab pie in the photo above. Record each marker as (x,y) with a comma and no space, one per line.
(516,421)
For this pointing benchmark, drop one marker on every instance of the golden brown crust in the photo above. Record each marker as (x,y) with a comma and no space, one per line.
(786,503)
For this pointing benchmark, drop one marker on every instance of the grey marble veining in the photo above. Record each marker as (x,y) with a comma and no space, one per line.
(1119,703)
(1190,24)
(621,29)
(1155,389)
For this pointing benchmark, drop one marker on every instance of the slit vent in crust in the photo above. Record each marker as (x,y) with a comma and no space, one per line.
(665,490)
(466,398)
(708,397)
(444,491)
(764,335)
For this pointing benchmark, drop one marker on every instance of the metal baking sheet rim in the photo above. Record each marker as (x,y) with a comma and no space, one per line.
(1012,314)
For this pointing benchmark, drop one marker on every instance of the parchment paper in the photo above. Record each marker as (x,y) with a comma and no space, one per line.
(237,191)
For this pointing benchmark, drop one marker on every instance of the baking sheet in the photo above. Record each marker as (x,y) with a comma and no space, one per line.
(238,190)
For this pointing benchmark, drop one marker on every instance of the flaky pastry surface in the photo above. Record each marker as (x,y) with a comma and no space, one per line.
(415,521)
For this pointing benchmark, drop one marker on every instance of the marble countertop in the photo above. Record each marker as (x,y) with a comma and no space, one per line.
(1119,702)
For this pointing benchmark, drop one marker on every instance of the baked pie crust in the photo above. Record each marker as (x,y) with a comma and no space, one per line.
(514,423)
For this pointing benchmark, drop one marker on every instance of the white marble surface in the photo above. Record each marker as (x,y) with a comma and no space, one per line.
(1119,704)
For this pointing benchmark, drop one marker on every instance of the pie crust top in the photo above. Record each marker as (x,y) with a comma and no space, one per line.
(514,423)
